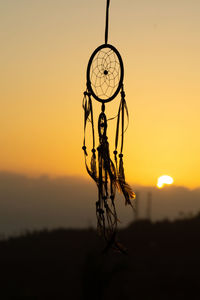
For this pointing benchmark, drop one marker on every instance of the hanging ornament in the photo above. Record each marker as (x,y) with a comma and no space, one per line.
(105,74)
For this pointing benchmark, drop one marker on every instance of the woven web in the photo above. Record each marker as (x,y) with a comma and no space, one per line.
(105,73)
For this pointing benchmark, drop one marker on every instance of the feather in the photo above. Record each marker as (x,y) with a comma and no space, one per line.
(123,186)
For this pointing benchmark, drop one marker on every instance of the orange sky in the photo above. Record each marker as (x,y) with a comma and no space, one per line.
(45,47)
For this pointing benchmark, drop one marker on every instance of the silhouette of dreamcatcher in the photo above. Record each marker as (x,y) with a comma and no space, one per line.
(105,73)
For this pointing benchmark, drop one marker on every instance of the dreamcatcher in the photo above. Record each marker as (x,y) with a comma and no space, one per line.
(105,73)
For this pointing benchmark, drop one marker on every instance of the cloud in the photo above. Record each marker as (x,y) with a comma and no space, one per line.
(34,203)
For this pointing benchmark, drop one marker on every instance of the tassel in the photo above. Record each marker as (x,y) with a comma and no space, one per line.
(88,112)
(122,185)
(107,178)
(107,175)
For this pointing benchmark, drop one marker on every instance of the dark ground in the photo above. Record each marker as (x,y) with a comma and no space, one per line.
(163,262)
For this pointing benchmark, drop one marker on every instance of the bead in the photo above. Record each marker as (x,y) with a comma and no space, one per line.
(120,155)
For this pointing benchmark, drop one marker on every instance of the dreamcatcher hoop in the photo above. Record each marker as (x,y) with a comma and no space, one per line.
(105,73)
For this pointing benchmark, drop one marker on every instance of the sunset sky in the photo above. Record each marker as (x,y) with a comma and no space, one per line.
(45,48)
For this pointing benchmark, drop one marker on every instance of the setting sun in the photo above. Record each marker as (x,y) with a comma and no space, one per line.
(164,179)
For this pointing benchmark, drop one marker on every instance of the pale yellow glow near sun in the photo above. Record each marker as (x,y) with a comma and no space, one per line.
(164,179)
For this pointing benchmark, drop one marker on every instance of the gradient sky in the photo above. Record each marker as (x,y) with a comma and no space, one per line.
(45,47)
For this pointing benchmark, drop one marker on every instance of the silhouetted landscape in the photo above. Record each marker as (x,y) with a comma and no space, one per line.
(163,262)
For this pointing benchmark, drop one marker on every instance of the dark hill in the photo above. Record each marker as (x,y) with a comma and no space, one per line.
(163,262)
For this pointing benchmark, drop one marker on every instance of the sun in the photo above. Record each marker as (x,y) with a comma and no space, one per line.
(164,179)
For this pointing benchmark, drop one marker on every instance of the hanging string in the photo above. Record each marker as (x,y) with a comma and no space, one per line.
(88,117)
(86,109)
(107,19)
(122,109)
(122,113)
(88,112)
